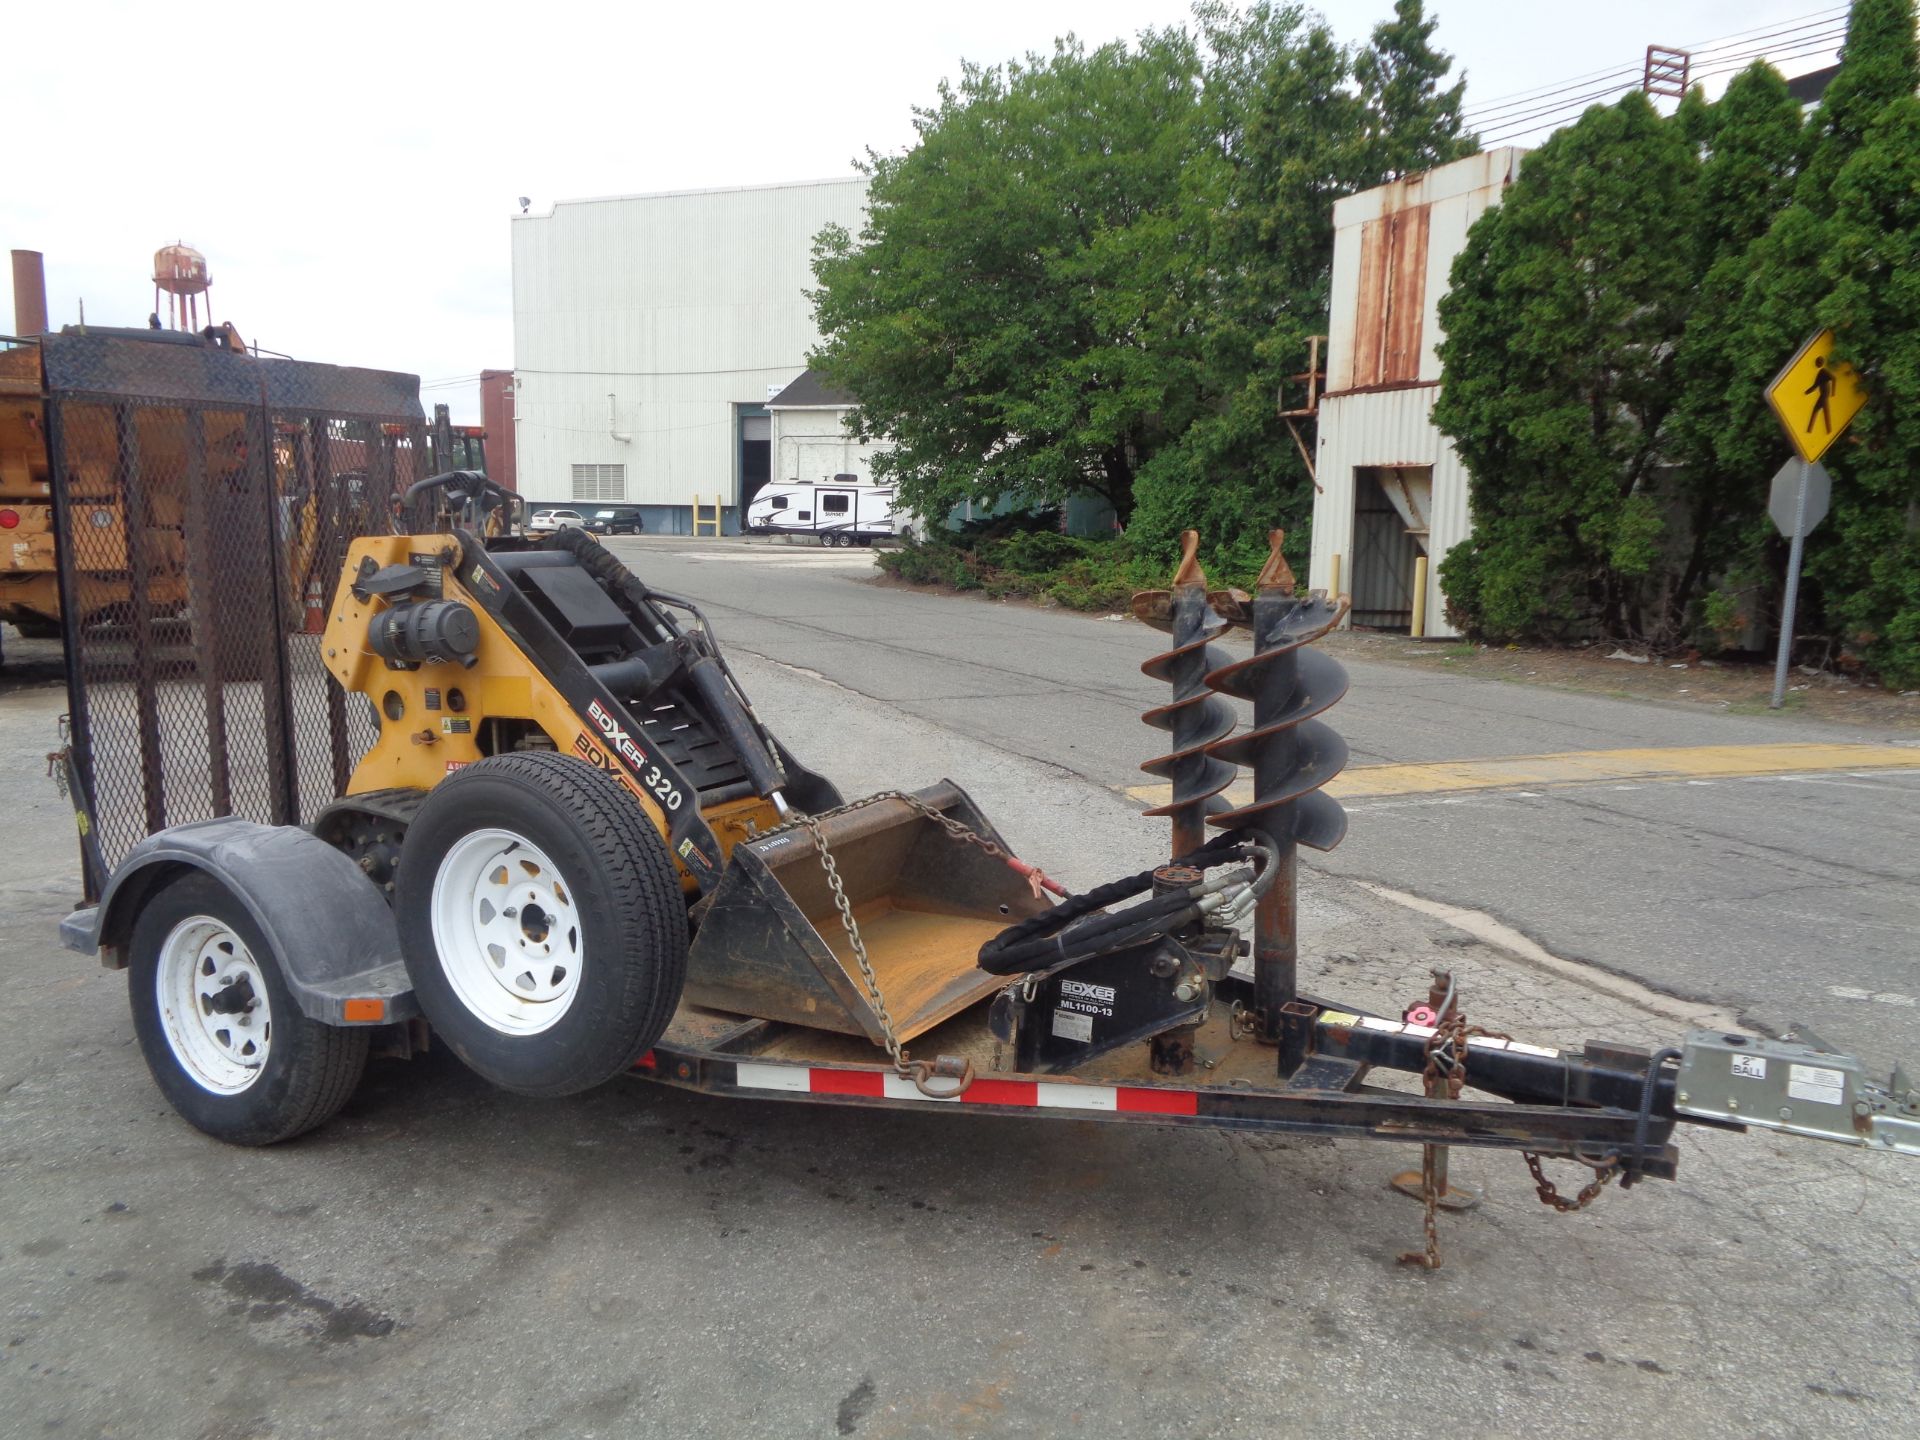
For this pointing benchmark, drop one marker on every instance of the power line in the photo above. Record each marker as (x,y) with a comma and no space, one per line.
(1480,117)
(1824,48)
(1514,126)
(1827,21)
(1532,110)
(1497,102)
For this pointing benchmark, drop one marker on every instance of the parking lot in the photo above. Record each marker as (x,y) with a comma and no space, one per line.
(444,1259)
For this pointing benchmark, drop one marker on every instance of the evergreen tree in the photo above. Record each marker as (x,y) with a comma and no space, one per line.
(1296,121)
(1723,439)
(1879,64)
(1868,566)
(1560,380)
(1790,293)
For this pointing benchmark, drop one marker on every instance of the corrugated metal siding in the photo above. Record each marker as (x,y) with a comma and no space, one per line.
(1389,427)
(1393,427)
(678,307)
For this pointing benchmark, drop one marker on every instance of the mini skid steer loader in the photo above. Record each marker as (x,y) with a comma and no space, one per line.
(575,851)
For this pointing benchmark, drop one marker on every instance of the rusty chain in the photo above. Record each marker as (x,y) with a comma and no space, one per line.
(920,1072)
(1445,1071)
(901,1063)
(1604,1172)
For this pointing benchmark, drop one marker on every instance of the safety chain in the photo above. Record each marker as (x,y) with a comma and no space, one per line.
(57,759)
(1604,1172)
(879,1001)
(1033,874)
(920,1072)
(1446,1071)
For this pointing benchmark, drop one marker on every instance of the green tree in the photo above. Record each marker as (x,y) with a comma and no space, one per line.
(1560,380)
(1868,564)
(1879,65)
(1094,269)
(994,313)
(1724,437)
(1791,291)
(1295,121)
(1411,123)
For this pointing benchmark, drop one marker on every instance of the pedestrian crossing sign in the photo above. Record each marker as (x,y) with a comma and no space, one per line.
(1816,397)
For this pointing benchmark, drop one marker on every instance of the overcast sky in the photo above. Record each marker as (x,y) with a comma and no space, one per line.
(349,168)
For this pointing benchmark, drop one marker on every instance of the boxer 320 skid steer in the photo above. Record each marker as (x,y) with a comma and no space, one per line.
(575,851)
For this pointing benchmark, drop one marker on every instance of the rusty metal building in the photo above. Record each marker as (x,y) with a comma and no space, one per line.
(1391,488)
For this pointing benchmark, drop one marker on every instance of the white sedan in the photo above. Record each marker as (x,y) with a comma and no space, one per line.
(542,521)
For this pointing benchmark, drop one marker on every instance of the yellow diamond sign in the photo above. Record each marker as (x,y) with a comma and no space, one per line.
(1816,398)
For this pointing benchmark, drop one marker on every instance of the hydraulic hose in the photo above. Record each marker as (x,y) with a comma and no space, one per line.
(1075,929)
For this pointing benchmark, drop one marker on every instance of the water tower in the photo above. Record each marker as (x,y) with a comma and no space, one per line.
(181,272)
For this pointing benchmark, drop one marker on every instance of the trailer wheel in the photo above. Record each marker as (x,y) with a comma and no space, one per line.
(542,922)
(222,1034)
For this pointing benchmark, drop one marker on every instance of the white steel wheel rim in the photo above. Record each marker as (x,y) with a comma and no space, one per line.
(507,929)
(213,1005)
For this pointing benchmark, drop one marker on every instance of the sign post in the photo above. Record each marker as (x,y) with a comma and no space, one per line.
(1815,399)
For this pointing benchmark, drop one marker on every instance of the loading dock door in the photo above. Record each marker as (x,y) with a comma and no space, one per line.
(756,455)
(1384,547)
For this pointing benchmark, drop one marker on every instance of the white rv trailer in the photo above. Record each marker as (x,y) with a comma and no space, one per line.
(841,511)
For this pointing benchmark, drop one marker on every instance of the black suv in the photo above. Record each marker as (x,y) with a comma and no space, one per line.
(617,520)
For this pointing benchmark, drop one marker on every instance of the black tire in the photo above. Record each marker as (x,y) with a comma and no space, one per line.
(632,947)
(310,1069)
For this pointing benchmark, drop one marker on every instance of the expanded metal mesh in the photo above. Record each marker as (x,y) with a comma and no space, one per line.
(205,500)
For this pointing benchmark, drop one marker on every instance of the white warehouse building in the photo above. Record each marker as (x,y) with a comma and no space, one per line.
(650,331)
(1391,488)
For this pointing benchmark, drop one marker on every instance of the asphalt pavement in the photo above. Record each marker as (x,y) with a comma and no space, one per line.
(446,1260)
(1788,899)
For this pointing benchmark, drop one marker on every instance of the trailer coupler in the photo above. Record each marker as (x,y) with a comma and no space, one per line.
(1798,1085)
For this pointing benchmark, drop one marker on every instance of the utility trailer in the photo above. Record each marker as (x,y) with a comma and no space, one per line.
(574,851)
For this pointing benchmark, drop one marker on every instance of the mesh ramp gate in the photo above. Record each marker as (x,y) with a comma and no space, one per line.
(204,500)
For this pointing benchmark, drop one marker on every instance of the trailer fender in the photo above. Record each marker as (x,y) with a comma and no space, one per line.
(328,925)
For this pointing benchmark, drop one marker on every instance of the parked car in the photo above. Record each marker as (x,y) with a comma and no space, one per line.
(618,520)
(542,521)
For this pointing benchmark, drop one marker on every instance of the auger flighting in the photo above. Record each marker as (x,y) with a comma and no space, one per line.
(1292,754)
(1196,716)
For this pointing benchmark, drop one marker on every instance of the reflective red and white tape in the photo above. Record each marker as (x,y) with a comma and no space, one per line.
(1037,1094)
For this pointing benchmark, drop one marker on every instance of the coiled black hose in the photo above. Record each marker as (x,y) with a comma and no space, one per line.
(1073,930)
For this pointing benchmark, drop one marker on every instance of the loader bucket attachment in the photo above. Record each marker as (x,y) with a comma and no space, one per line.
(772,944)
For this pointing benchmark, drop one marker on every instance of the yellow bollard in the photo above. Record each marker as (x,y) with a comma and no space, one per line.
(1420,597)
(1333,576)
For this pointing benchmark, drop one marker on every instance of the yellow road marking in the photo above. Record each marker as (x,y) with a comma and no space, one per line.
(1589,767)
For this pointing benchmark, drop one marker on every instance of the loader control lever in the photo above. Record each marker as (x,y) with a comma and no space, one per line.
(468,495)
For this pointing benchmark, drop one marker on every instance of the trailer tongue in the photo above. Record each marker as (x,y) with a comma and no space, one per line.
(574,850)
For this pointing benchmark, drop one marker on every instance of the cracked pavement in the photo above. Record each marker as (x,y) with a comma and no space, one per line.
(444,1259)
